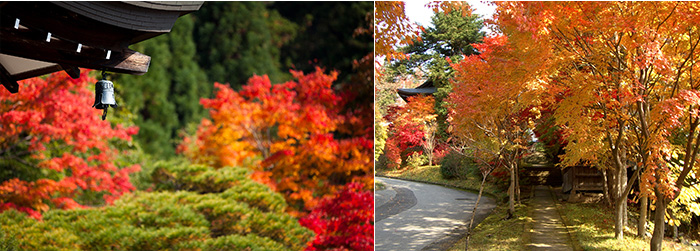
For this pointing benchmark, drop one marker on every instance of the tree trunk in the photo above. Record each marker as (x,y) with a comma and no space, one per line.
(659,215)
(606,188)
(619,219)
(624,195)
(619,196)
(476,205)
(673,226)
(620,202)
(642,223)
(511,192)
(643,209)
(675,232)
(517,182)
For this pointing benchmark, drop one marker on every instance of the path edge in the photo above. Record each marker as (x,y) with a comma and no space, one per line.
(476,191)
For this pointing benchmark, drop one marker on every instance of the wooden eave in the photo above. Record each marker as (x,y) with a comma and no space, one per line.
(93,35)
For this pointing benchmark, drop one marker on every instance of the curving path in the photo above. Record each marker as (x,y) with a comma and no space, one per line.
(417,216)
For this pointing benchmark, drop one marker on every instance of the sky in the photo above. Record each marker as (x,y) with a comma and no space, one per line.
(417,12)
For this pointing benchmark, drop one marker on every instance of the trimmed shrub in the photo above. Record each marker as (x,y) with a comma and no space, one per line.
(245,216)
(250,242)
(196,177)
(450,164)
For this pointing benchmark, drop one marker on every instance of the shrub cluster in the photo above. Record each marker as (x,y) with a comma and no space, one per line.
(382,162)
(416,159)
(454,165)
(195,208)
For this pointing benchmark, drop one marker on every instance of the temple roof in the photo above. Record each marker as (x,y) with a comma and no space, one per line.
(426,88)
(38,38)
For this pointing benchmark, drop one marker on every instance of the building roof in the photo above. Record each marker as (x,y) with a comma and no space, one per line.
(38,38)
(427,88)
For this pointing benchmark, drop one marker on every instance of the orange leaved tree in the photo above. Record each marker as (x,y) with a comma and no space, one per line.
(625,71)
(490,93)
(391,28)
(288,133)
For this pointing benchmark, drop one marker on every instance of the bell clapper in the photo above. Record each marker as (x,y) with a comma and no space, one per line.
(104,113)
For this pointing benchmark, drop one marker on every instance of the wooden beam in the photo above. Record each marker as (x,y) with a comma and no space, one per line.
(7,80)
(37,72)
(27,44)
(73,72)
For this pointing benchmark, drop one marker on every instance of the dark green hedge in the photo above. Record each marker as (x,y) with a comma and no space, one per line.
(195,208)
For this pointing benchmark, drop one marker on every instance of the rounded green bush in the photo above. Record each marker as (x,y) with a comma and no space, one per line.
(455,165)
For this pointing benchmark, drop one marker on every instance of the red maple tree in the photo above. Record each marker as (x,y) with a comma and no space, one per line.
(344,221)
(54,147)
(408,128)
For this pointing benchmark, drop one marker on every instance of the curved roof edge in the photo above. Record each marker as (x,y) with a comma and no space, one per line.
(427,88)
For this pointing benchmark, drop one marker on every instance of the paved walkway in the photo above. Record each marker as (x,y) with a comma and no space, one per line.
(548,231)
(417,216)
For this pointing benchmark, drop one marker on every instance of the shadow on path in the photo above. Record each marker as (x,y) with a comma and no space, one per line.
(404,199)
(423,216)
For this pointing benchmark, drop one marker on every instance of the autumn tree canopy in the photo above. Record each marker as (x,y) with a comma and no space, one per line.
(391,28)
(451,36)
(492,91)
(622,73)
(285,132)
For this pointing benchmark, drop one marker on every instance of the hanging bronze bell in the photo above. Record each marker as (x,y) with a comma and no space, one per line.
(104,95)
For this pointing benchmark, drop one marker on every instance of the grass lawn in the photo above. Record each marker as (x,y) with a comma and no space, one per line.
(592,227)
(498,233)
